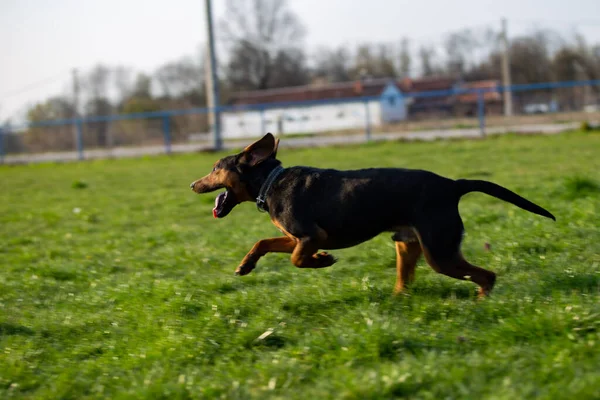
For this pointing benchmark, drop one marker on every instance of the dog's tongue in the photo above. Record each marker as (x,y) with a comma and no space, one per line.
(218,203)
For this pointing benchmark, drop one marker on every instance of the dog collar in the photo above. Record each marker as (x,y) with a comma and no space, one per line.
(261,200)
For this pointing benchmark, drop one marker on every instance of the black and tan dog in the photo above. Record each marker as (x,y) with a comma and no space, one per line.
(328,209)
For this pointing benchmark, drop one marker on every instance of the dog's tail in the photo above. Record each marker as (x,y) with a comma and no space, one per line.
(467,185)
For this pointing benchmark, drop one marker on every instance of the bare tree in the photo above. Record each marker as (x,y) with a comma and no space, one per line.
(96,90)
(596,53)
(363,62)
(290,69)
(143,86)
(384,61)
(426,55)
(141,99)
(376,61)
(595,62)
(259,33)
(484,59)
(530,60)
(588,62)
(123,82)
(180,78)
(333,65)
(97,82)
(404,58)
(568,65)
(460,47)
(488,68)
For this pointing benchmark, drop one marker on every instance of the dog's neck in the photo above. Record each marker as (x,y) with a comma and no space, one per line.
(258,176)
(261,200)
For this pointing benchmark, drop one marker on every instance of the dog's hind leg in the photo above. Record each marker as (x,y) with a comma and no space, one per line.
(305,255)
(262,247)
(408,252)
(440,239)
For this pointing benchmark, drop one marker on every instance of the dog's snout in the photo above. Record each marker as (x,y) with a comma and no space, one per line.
(192,185)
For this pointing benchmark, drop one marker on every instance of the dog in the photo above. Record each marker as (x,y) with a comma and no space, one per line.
(325,209)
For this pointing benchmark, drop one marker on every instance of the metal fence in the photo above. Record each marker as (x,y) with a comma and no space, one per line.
(478,110)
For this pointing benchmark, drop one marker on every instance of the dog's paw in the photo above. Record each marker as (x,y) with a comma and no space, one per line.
(325,259)
(245,268)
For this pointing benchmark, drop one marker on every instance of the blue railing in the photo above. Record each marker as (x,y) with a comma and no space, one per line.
(166,115)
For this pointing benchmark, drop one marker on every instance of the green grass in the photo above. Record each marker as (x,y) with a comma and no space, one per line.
(116,282)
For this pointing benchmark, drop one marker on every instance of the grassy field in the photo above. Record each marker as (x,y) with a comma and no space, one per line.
(116,282)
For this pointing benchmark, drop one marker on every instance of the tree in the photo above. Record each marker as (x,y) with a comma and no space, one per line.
(404,58)
(587,58)
(594,63)
(259,35)
(574,63)
(123,81)
(569,65)
(488,68)
(180,78)
(530,59)
(135,105)
(97,81)
(290,69)
(376,61)
(460,47)
(384,61)
(96,88)
(143,86)
(141,99)
(595,53)
(45,138)
(333,65)
(57,107)
(426,55)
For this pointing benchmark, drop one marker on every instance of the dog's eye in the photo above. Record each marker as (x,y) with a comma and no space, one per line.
(214,169)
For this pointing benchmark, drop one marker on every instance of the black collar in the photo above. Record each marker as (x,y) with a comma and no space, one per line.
(261,200)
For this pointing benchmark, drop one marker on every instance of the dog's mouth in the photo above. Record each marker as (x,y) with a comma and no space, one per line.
(224,203)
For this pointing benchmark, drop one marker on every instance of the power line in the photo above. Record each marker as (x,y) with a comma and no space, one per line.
(581,22)
(34,85)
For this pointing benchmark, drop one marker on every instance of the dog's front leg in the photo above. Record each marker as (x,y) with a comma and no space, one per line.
(262,247)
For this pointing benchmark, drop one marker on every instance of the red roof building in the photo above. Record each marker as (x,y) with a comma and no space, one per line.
(415,89)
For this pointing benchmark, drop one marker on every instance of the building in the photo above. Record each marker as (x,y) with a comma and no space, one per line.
(340,106)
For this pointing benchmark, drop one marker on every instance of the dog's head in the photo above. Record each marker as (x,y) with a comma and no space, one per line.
(241,175)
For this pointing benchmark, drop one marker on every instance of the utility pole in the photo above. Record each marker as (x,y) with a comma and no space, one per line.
(77,134)
(506,80)
(212,83)
(75,94)
(209,92)
(77,128)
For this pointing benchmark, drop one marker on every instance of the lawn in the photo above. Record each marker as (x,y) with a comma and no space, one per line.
(116,282)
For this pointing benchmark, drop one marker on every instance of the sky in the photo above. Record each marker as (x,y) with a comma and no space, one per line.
(41,41)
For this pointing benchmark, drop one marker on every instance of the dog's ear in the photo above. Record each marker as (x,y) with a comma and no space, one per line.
(260,150)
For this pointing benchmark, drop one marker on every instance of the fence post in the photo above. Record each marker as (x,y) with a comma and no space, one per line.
(79,138)
(167,132)
(1,145)
(368,121)
(481,111)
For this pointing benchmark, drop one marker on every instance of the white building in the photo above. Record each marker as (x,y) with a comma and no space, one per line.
(310,109)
